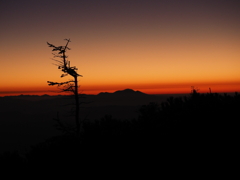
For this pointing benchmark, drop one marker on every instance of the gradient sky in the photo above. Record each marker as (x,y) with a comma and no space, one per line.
(155,46)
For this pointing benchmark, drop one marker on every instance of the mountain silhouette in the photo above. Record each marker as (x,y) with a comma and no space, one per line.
(129,92)
(125,92)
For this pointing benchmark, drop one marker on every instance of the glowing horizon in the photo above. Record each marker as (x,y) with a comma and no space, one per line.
(156,47)
(159,89)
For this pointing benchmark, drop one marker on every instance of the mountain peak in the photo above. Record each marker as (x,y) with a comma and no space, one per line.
(124,92)
(128,91)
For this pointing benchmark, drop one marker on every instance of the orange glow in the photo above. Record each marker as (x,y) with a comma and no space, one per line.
(177,88)
(152,47)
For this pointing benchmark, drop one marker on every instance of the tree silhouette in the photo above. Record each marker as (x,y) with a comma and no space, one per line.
(72,85)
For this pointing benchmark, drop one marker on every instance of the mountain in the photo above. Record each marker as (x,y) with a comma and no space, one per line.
(26,120)
(125,92)
(129,92)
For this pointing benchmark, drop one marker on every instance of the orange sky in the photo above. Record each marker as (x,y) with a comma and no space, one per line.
(152,46)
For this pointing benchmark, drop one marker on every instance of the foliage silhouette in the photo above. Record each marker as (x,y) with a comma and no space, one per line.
(71,85)
(12,160)
(191,126)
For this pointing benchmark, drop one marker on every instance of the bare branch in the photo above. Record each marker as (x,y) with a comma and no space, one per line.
(50,83)
(71,86)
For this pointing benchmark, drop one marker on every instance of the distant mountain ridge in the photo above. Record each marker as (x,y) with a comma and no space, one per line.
(124,92)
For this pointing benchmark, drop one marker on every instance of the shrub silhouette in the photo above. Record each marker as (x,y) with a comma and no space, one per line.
(200,118)
(193,125)
(11,160)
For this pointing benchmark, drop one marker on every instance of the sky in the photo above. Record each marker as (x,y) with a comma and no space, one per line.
(154,46)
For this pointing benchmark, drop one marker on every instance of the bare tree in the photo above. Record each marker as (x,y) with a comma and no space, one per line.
(72,85)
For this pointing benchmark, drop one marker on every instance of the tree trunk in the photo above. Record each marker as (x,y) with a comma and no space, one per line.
(78,125)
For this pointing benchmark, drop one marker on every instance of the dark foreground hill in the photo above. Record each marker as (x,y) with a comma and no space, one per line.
(26,119)
(198,127)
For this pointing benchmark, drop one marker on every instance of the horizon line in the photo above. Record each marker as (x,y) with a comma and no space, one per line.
(54,93)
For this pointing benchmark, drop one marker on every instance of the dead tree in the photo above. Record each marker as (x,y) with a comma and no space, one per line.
(72,85)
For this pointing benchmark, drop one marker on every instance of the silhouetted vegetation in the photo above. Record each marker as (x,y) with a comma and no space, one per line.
(12,160)
(69,86)
(197,124)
